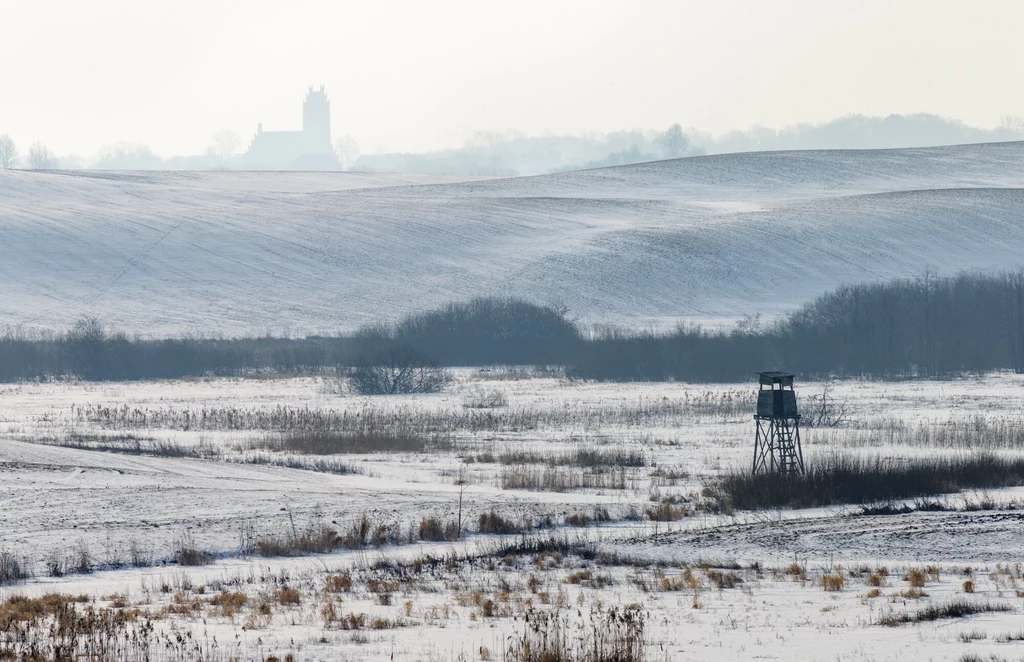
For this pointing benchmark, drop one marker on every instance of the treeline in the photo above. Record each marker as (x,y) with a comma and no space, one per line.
(479,332)
(924,326)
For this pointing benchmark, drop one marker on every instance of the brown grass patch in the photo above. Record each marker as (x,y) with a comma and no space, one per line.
(832,582)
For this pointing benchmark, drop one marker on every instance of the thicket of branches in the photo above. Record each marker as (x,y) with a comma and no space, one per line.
(397,371)
(924,326)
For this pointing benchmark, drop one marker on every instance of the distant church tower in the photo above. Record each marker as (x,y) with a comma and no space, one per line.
(316,118)
(308,149)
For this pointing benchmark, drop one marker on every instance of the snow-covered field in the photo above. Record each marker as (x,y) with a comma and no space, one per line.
(707,238)
(86,470)
(203,506)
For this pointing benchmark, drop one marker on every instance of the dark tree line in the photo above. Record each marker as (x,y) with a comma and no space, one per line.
(479,332)
(924,326)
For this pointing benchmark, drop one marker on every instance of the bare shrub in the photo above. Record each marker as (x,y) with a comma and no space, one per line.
(12,568)
(139,555)
(492,522)
(433,528)
(56,563)
(82,558)
(397,371)
(824,409)
(187,552)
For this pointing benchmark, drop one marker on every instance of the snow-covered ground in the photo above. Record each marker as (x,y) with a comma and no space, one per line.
(707,238)
(59,500)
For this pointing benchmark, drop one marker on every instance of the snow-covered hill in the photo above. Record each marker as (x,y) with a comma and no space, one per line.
(707,238)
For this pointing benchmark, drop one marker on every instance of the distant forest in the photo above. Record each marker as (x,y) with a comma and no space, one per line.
(511,153)
(920,327)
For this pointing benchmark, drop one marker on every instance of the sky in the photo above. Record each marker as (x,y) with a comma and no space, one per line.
(408,76)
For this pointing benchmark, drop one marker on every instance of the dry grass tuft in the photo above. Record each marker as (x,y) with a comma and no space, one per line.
(492,522)
(666,512)
(338,583)
(187,552)
(916,577)
(19,608)
(832,582)
(434,529)
(288,596)
(229,603)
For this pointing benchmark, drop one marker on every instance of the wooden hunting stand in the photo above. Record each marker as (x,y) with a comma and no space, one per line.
(777,434)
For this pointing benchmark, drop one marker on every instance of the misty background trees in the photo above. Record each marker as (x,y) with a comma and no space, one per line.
(224,144)
(8,152)
(127,156)
(347,150)
(512,153)
(41,158)
(918,327)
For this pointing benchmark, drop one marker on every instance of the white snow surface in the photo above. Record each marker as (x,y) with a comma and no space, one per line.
(60,500)
(707,238)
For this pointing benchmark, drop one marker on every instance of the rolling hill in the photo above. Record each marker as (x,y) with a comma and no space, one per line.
(705,238)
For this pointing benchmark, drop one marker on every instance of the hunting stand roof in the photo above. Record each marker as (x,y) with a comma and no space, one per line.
(782,378)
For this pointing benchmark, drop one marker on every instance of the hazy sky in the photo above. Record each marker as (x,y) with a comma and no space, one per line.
(410,76)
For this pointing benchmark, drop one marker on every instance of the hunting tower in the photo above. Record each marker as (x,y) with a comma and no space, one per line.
(777,433)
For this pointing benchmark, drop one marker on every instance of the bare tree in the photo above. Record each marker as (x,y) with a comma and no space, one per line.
(40,157)
(347,150)
(674,141)
(87,342)
(224,145)
(8,152)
